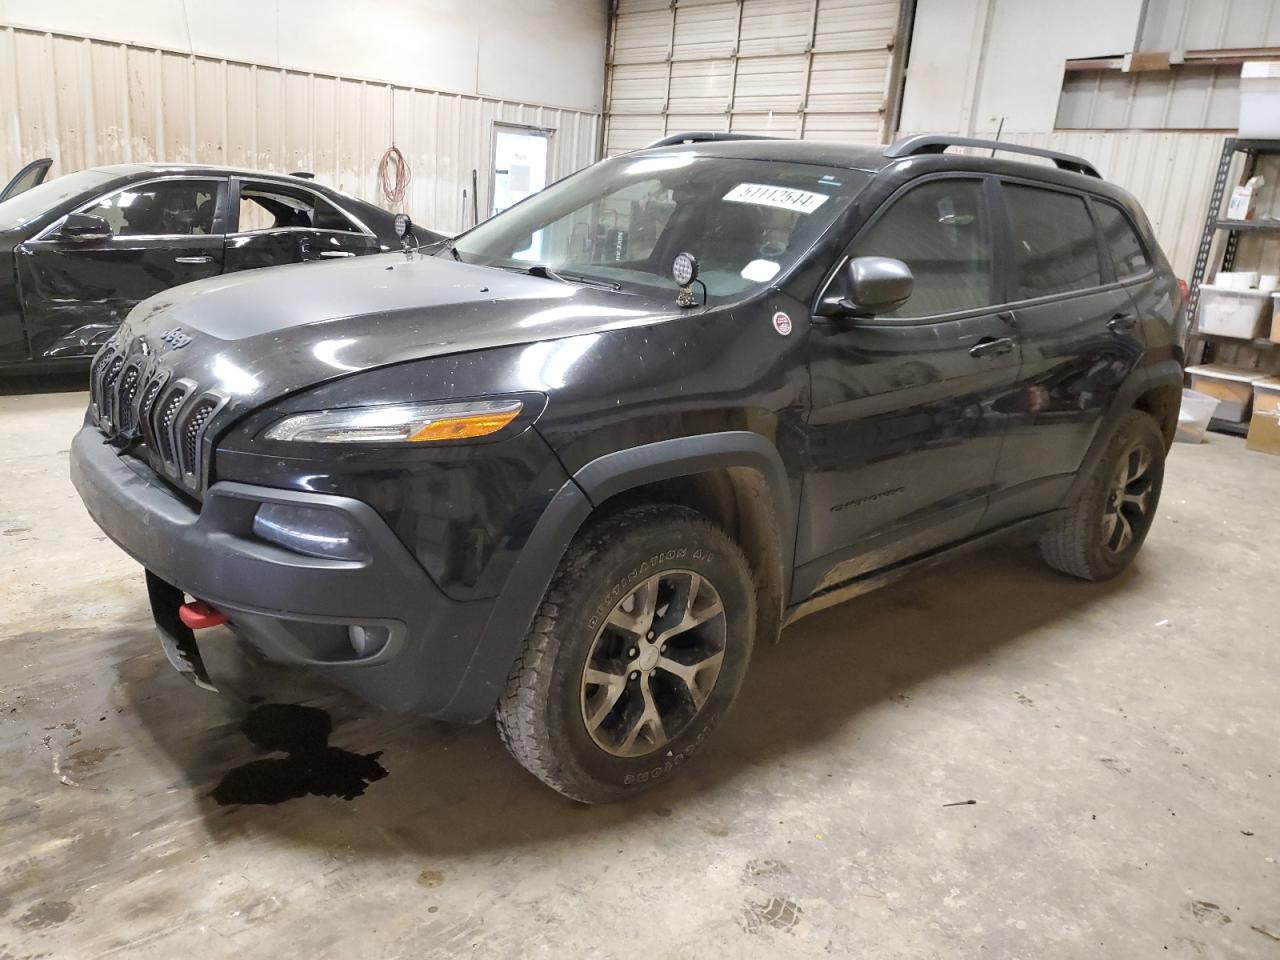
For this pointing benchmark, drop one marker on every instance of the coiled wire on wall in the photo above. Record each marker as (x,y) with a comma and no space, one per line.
(393,176)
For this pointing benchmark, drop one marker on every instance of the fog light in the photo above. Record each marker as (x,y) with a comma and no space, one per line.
(309,530)
(367,641)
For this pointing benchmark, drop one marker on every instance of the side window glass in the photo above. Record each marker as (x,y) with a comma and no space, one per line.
(940,230)
(167,208)
(1122,239)
(1053,240)
(265,206)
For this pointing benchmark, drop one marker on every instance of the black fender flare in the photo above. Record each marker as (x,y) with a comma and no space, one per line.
(1164,373)
(517,604)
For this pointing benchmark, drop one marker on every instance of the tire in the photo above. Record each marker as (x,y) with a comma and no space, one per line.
(597,742)
(1085,541)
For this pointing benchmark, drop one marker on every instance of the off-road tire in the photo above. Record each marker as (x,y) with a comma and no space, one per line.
(541,717)
(1075,544)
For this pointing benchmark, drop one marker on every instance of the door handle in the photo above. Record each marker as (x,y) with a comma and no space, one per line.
(991,347)
(1122,323)
(193,259)
(330,254)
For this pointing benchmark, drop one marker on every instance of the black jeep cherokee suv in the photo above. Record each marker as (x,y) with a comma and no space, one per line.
(577,461)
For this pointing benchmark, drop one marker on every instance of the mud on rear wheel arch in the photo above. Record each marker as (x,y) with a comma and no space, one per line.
(736,478)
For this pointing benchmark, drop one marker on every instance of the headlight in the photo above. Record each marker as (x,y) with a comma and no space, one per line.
(398,422)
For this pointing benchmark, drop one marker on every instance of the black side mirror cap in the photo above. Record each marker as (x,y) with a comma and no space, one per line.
(82,227)
(867,286)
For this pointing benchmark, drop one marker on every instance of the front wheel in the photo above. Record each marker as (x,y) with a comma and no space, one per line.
(638,650)
(1099,535)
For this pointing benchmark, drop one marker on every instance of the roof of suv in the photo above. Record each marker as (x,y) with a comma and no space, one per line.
(842,155)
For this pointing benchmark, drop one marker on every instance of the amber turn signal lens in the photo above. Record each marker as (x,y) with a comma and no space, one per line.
(463,428)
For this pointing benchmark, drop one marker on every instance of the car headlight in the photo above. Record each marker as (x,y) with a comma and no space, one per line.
(398,422)
(309,530)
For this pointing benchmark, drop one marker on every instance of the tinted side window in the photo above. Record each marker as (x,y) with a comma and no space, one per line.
(940,230)
(1054,242)
(1122,239)
(181,207)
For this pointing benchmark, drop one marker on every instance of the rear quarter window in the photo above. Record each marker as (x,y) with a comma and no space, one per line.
(1122,240)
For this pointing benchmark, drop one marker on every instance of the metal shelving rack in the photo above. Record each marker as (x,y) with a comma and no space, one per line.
(1199,347)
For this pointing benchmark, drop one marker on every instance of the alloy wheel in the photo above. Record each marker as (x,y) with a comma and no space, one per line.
(1127,513)
(653,663)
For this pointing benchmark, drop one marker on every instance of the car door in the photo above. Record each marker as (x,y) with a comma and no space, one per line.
(277,223)
(1080,340)
(908,407)
(75,292)
(31,175)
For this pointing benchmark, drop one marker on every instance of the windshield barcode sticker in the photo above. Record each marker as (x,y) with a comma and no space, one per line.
(801,201)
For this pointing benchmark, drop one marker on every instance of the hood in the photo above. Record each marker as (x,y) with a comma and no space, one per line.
(257,335)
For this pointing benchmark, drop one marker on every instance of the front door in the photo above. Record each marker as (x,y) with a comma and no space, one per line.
(74,293)
(1080,339)
(278,223)
(908,407)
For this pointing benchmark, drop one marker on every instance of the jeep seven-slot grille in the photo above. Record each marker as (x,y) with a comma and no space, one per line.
(135,399)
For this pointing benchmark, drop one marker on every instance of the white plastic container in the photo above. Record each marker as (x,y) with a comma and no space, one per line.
(1194,416)
(1275,317)
(1232,386)
(1232,313)
(1260,99)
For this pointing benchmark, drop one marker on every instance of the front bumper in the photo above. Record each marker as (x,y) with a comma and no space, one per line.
(295,608)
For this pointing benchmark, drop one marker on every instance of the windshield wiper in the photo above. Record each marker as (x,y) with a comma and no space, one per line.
(542,270)
(450,244)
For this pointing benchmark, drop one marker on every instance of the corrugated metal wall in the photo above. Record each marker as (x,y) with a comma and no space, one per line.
(1198,25)
(86,102)
(1171,174)
(819,69)
(1186,98)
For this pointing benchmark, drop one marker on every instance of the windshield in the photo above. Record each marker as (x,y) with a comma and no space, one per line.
(624,220)
(39,200)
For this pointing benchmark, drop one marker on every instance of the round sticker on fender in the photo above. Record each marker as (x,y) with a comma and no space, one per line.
(782,323)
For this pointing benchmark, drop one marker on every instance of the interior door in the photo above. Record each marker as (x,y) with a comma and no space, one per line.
(74,293)
(908,407)
(29,176)
(278,223)
(519,165)
(1080,338)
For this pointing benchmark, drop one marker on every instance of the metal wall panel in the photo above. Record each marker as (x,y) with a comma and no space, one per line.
(1219,25)
(86,102)
(1186,98)
(802,68)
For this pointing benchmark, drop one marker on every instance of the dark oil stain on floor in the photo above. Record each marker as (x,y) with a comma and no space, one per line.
(311,766)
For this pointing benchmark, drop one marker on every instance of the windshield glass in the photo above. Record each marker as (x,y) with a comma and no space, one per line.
(30,204)
(624,220)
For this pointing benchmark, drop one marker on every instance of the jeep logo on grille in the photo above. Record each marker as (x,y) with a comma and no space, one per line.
(175,338)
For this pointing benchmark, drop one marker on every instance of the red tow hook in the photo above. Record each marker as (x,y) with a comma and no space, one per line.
(197,615)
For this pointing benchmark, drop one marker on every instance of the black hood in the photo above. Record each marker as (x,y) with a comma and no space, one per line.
(255,336)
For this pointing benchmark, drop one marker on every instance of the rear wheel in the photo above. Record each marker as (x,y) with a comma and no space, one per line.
(1099,535)
(637,652)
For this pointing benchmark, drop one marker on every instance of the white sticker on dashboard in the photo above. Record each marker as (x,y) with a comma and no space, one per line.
(760,271)
(785,198)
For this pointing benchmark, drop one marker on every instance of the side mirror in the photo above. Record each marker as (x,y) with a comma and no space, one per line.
(867,286)
(82,227)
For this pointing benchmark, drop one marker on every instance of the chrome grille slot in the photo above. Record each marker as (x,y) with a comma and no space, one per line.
(146,405)
(106,409)
(162,424)
(125,410)
(193,432)
(95,378)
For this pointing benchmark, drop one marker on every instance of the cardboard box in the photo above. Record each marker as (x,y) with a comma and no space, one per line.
(1266,396)
(1233,386)
(1264,433)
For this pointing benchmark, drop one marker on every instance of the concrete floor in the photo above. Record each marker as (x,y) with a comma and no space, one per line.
(1121,741)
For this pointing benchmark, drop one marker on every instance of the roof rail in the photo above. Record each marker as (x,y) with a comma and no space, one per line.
(304,174)
(923,143)
(703,136)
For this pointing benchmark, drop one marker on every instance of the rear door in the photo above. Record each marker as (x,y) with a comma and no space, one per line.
(907,412)
(1080,339)
(26,178)
(278,223)
(74,293)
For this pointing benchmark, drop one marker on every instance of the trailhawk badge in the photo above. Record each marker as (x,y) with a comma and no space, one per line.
(782,323)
